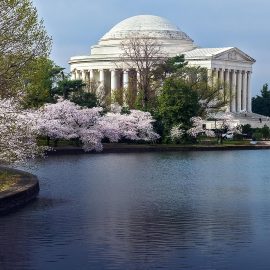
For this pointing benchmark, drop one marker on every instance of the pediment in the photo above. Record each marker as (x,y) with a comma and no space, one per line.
(234,55)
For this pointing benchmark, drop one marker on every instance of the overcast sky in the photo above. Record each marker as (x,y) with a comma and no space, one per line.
(75,25)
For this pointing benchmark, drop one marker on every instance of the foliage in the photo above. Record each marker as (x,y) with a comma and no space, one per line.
(169,67)
(186,92)
(246,129)
(40,80)
(261,104)
(177,104)
(66,120)
(22,39)
(66,86)
(176,134)
(18,133)
(117,96)
(198,129)
(75,91)
(212,96)
(265,131)
(257,135)
(124,97)
(84,99)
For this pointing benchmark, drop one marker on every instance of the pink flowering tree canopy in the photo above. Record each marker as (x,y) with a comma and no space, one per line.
(18,135)
(66,120)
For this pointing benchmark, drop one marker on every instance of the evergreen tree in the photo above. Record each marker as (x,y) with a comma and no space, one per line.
(261,104)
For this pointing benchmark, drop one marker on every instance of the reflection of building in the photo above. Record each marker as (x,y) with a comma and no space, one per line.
(229,65)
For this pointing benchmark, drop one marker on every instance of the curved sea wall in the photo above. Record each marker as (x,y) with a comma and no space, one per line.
(24,190)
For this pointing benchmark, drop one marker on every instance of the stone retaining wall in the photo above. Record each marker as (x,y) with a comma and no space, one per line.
(126,148)
(25,190)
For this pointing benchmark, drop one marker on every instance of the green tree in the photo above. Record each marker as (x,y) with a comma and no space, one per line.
(213,97)
(265,131)
(261,104)
(177,103)
(188,92)
(39,82)
(84,99)
(169,67)
(23,39)
(247,129)
(66,86)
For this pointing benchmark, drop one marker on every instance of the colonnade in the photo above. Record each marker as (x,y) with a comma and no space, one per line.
(115,74)
(110,79)
(238,83)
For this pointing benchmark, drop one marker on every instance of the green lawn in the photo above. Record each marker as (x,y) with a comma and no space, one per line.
(7,179)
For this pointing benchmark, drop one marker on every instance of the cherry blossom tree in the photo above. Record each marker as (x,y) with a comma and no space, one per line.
(177,132)
(137,125)
(197,128)
(18,135)
(66,120)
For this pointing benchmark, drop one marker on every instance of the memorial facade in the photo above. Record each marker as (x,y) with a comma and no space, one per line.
(229,65)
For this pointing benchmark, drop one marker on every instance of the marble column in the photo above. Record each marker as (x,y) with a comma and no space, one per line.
(91,75)
(215,76)
(90,79)
(227,87)
(73,74)
(238,90)
(210,77)
(113,80)
(249,106)
(138,81)
(102,77)
(84,75)
(221,78)
(233,91)
(244,92)
(77,74)
(100,91)
(125,86)
(125,79)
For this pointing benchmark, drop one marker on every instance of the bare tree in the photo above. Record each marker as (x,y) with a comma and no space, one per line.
(22,39)
(143,54)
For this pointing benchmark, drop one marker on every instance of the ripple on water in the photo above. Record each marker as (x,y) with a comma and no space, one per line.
(196,210)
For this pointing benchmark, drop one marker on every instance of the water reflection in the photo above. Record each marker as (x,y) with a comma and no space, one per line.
(144,211)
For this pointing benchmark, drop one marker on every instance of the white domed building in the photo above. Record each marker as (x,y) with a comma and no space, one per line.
(229,65)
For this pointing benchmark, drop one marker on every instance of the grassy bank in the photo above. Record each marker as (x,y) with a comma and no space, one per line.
(7,179)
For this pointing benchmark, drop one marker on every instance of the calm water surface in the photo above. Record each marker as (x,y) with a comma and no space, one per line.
(196,210)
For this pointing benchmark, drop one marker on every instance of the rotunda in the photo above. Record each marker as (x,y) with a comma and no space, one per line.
(105,67)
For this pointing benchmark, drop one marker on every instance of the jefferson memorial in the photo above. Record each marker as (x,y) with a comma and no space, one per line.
(229,65)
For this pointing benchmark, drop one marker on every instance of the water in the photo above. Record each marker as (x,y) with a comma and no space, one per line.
(196,210)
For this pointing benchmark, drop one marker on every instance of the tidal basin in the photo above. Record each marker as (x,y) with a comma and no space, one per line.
(189,210)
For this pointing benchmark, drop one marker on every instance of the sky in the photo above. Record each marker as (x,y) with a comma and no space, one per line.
(75,25)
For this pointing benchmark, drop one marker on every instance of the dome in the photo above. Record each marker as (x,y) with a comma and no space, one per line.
(146,25)
(172,40)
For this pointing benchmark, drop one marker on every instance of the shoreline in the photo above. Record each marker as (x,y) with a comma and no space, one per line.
(144,148)
(21,193)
